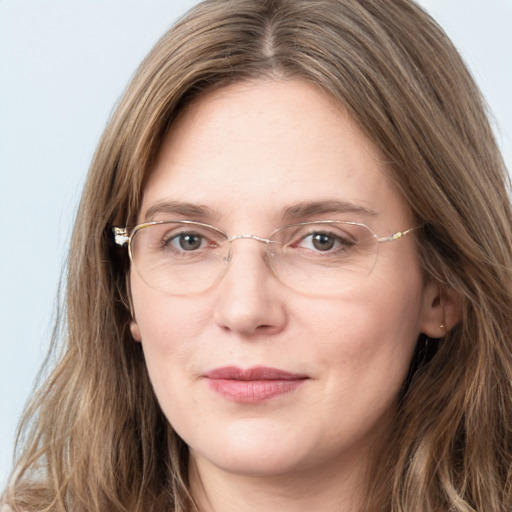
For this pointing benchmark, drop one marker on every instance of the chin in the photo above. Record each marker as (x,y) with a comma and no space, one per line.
(254,463)
(254,454)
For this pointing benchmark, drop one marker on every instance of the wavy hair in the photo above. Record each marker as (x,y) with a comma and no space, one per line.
(93,436)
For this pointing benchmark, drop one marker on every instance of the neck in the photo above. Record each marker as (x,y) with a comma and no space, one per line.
(328,489)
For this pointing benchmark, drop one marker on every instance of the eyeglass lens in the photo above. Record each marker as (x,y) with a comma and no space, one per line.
(318,258)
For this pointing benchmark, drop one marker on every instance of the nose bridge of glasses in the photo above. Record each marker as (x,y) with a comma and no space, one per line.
(254,237)
(265,241)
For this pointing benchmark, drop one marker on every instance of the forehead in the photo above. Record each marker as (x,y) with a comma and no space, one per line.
(254,149)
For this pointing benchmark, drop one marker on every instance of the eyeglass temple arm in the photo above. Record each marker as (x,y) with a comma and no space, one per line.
(120,236)
(398,234)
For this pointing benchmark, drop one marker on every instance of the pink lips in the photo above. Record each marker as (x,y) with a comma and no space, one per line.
(254,384)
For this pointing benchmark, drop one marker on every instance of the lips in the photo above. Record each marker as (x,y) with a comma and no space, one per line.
(253,384)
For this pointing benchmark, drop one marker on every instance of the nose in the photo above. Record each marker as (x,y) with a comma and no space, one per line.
(250,298)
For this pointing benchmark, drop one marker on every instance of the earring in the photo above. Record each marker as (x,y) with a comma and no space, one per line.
(442,326)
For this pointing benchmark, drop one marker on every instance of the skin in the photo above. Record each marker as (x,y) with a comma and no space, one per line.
(248,151)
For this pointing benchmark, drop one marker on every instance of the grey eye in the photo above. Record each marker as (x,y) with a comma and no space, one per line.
(322,241)
(190,241)
(186,241)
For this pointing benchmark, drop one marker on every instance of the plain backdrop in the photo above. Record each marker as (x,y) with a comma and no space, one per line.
(63,66)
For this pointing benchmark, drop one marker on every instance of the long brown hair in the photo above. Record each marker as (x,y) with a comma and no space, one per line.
(94,437)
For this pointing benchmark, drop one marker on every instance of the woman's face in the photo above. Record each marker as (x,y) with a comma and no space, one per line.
(247,156)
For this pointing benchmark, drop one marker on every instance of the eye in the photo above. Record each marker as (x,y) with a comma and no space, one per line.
(324,242)
(186,242)
(189,241)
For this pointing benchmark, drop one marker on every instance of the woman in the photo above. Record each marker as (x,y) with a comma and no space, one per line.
(289,282)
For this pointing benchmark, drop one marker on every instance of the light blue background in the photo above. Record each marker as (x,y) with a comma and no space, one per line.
(63,65)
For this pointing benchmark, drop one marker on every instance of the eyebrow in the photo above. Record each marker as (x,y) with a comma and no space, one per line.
(297,211)
(190,210)
(313,208)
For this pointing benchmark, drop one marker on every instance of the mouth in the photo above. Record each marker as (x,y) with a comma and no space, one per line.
(252,385)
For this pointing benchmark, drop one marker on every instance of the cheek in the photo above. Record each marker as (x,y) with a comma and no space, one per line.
(369,336)
(169,328)
(161,317)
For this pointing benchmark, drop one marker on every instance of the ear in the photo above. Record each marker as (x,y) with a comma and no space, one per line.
(442,310)
(135,331)
(134,327)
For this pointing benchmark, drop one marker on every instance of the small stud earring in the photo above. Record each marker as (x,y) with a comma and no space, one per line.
(442,326)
